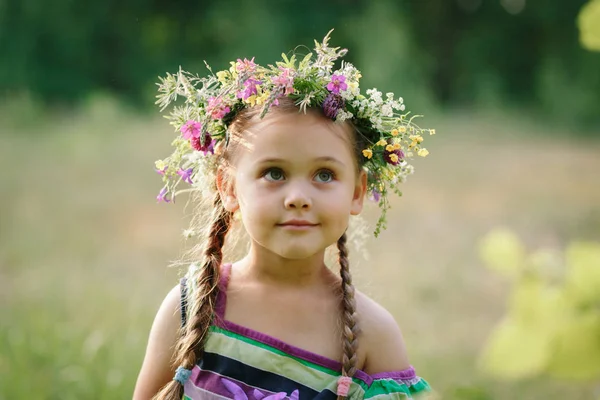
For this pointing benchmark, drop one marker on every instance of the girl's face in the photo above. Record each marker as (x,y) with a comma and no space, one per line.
(295,183)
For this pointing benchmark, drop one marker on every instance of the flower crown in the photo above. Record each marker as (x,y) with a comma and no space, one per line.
(212,102)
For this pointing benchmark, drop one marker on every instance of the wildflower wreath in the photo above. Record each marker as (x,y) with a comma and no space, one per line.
(212,102)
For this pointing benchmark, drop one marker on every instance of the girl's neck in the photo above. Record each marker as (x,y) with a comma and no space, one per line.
(261,265)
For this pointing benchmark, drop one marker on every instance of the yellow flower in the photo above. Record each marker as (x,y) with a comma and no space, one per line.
(432,131)
(382,143)
(395,132)
(389,173)
(389,147)
(402,129)
(222,76)
(416,138)
(394,157)
(353,85)
(367,153)
(160,165)
(423,152)
(251,100)
(262,98)
(397,146)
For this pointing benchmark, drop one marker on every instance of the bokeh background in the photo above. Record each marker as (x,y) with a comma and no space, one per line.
(84,247)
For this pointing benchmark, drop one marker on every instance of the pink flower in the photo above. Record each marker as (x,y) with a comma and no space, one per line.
(191,129)
(338,83)
(207,147)
(216,108)
(161,171)
(285,80)
(250,88)
(245,66)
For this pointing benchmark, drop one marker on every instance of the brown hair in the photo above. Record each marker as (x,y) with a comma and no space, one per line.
(190,345)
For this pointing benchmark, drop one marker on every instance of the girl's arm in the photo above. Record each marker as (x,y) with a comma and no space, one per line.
(157,369)
(382,338)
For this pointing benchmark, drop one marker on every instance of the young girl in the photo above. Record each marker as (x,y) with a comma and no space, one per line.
(291,149)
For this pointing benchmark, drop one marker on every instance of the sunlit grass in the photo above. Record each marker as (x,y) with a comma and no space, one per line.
(83,247)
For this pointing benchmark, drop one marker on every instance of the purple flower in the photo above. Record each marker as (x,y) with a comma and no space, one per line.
(207,147)
(393,157)
(233,388)
(186,174)
(191,129)
(162,196)
(332,104)
(250,88)
(375,195)
(216,108)
(239,394)
(161,171)
(338,82)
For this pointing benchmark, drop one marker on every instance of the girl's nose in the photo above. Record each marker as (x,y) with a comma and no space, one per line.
(297,200)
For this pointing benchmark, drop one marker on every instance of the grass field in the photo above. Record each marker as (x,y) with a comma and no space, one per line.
(83,247)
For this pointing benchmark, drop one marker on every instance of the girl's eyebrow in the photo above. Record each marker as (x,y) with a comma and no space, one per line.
(317,159)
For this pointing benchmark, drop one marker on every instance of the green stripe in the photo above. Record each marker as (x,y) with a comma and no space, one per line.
(384,387)
(267,358)
(274,350)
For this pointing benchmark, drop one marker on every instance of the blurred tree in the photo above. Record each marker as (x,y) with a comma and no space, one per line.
(457,52)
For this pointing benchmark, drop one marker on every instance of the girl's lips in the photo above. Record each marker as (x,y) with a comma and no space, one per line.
(297,225)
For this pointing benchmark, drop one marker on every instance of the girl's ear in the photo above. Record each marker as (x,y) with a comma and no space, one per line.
(226,190)
(360,190)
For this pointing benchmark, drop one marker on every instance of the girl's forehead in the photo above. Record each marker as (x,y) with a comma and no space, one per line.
(295,135)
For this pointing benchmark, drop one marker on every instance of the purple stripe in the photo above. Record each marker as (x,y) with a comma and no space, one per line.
(405,374)
(212,382)
(294,351)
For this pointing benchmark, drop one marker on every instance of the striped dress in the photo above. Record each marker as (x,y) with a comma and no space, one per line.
(242,364)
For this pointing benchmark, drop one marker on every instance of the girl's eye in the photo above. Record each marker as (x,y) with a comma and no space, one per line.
(274,174)
(324,176)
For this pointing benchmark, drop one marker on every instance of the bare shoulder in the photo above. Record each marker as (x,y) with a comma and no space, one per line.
(381,337)
(156,369)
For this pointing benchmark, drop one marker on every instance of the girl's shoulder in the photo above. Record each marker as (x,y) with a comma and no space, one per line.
(381,337)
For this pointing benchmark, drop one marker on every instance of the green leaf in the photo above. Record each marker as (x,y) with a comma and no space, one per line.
(576,352)
(502,252)
(516,351)
(583,272)
(588,22)
(538,305)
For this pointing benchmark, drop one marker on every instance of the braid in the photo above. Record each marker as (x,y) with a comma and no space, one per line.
(190,346)
(350,330)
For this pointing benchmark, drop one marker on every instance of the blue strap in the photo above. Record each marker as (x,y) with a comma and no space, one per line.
(182,375)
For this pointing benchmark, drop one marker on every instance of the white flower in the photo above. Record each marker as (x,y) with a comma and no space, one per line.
(189,233)
(343,115)
(387,111)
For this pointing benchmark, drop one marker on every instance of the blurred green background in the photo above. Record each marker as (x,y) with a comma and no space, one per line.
(84,247)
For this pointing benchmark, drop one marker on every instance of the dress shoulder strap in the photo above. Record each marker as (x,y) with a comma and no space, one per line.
(184,300)
(221,296)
